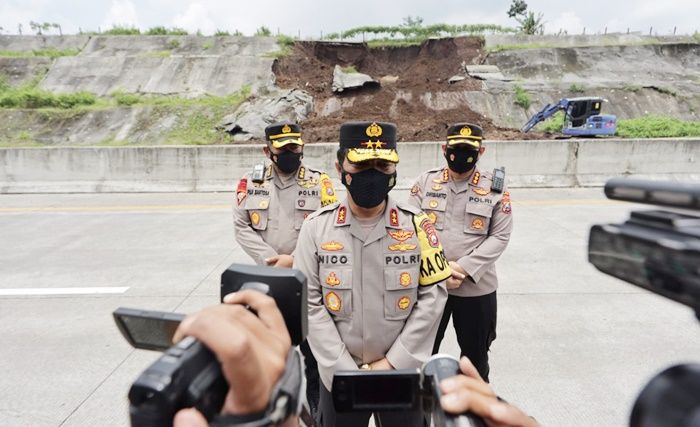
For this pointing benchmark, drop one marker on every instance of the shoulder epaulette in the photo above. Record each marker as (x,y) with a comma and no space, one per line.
(408,208)
(324,210)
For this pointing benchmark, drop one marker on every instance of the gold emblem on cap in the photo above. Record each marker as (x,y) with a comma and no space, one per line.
(465,131)
(374,130)
(286,129)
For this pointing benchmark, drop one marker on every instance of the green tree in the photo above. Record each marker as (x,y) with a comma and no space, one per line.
(530,23)
(412,21)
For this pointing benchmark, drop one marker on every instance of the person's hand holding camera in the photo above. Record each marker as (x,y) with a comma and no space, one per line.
(252,350)
(469,392)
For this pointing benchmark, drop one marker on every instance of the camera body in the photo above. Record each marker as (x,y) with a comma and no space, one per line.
(188,374)
(401,390)
(658,250)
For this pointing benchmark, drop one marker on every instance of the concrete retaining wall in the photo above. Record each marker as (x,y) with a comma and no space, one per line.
(557,163)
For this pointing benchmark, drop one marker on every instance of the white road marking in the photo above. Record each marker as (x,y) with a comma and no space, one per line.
(62,291)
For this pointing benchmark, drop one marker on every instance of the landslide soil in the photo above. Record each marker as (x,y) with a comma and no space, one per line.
(421,70)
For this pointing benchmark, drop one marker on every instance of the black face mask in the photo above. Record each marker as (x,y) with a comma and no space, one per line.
(287,161)
(369,187)
(461,160)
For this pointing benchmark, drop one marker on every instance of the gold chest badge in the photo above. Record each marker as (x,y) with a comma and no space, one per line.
(477,224)
(332,280)
(433,204)
(255,218)
(332,246)
(432,216)
(481,191)
(404,303)
(405,279)
(401,236)
(333,301)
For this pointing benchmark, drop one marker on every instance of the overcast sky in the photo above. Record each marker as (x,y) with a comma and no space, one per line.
(311,17)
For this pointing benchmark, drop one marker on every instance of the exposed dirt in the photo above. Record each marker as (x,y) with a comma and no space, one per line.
(421,70)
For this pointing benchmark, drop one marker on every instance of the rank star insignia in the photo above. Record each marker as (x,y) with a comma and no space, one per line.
(394,218)
(433,204)
(481,191)
(332,246)
(405,279)
(477,224)
(445,175)
(255,218)
(404,303)
(437,187)
(475,178)
(332,280)
(342,215)
(333,301)
(373,145)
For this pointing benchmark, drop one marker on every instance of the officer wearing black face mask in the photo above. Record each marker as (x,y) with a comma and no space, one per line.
(376,273)
(272,203)
(473,215)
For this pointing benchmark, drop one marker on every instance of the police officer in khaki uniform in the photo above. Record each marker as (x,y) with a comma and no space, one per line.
(271,206)
(272,203)
(472,214)
(375,272)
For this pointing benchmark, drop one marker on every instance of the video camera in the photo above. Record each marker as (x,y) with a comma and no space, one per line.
(658,250)
(189,375)
(401,390)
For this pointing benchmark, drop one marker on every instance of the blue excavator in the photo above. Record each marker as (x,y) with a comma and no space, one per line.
(581,117)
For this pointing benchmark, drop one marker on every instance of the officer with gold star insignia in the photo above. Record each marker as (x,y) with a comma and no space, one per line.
(271,205)
(376,273)
(471,211)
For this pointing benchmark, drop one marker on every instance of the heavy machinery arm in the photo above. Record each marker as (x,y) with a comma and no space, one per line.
(546,112)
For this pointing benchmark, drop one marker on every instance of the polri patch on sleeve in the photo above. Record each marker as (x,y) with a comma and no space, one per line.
(241,191)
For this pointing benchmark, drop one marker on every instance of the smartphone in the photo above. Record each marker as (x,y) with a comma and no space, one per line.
(147,329)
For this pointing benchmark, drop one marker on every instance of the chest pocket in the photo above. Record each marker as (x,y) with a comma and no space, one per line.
(304,206)
(477,218)
(258,211)
(401,274)
(435,208)
(336,284)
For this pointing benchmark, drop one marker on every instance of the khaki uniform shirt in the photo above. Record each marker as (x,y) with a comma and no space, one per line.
(267,216)
(473,222)
(374,297)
